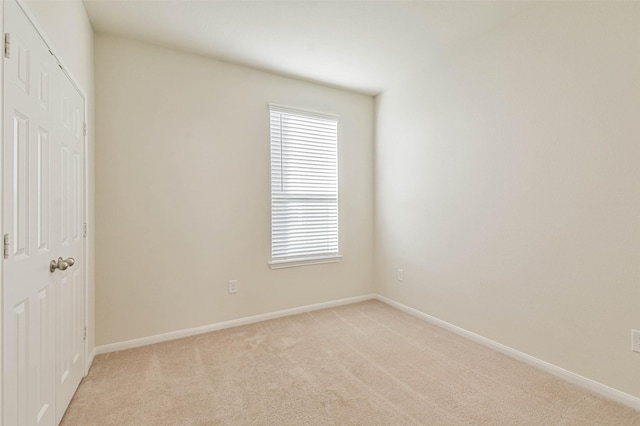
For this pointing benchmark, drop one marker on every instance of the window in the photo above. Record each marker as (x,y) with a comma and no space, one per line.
(304,187)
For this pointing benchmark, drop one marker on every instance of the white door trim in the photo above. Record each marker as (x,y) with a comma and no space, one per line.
(1,210)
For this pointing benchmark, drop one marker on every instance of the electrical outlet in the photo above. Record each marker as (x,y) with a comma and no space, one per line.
(400,274)
(233,286)
(635,340)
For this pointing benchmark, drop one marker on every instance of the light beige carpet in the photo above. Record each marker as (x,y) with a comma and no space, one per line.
(361,364)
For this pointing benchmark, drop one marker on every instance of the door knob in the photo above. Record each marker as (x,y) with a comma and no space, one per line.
(61,264)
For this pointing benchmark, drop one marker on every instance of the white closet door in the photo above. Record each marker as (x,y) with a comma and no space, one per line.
(68,206)
(42,205)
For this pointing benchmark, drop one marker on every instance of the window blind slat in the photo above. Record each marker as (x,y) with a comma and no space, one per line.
(304,184)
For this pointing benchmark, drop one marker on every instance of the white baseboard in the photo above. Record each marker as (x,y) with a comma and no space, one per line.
(592,385)
(143,341)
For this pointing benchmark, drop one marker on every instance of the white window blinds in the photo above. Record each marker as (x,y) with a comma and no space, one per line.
(304,185)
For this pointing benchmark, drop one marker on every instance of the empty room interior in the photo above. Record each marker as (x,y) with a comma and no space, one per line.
(320,212)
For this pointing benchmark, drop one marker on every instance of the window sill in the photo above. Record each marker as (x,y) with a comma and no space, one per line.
(279,264)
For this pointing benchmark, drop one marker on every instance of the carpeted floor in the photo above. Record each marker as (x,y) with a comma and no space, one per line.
(360,364)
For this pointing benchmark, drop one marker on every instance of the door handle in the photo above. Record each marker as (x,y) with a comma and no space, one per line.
(61,264)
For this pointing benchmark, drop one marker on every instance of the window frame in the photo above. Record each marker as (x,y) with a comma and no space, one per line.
(287,262)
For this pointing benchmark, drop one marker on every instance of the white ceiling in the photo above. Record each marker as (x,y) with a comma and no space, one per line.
(359,45)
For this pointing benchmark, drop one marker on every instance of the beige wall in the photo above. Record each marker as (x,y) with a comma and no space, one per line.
(183,192)
(508,188)
(67,28)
